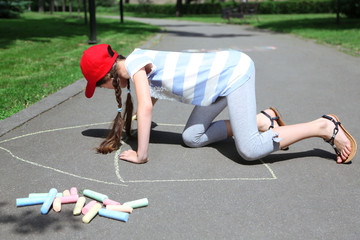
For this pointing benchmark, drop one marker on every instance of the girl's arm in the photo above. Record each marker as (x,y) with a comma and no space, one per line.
(144,115)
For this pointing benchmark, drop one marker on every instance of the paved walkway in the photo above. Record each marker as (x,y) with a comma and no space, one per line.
(207,193)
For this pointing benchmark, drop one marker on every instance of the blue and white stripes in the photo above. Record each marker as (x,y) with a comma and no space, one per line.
(194,78)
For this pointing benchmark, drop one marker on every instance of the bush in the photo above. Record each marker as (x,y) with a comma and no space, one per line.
(11,9)
(351,8)
(296,6)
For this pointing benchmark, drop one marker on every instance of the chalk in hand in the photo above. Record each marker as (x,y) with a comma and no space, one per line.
(138,203)
(91,213)
(48,201)
(79,205)
(121,216)
(95,195)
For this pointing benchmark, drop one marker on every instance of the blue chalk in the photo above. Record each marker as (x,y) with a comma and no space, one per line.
(122,216)
(48,201)
(20,202)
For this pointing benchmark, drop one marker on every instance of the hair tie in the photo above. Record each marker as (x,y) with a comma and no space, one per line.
(119,110)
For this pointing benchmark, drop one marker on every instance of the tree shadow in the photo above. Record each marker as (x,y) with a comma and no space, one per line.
(26,220)
(43,29)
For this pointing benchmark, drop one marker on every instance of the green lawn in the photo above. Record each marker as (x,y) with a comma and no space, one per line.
(40,53)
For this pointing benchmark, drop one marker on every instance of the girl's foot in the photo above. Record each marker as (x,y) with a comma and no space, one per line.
(264,121)
(335,135)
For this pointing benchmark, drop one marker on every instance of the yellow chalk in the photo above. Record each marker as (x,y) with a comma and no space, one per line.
(66,193)
(91,213)
(79,205)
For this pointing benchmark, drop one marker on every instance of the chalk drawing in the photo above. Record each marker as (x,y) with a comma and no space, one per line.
(116,162)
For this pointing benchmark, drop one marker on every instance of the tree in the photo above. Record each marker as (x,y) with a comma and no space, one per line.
(178,8)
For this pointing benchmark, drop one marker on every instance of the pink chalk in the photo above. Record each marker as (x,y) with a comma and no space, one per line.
(87,207)
(73,191)
(69,199)
(110,202)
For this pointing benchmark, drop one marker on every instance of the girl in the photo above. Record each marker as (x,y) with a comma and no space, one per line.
(210,81)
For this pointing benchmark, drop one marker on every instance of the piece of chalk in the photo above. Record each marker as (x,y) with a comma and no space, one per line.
(88,206)
(79,205)
(95,195)
(120,208)
(137,203)
(73,191)
(110,202)
(42,195)
(48,201)
(57,205)
(122,216)
(91,213)
(20,202)
(66,193)
(69,199)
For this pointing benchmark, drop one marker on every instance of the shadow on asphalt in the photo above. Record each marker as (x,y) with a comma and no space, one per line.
(29,220)
(226,148)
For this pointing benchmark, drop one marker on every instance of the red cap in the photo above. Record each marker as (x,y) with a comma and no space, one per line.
(95,63)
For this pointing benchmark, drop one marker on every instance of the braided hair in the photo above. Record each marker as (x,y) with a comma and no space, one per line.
(113,140)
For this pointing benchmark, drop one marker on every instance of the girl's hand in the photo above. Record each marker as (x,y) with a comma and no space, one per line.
(132,156)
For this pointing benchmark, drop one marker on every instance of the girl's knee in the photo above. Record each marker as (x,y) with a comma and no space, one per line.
(190,140)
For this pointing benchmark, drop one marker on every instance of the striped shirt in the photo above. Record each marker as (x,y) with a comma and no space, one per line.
(194,78)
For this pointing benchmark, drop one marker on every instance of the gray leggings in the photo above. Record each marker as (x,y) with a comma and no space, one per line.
(200,130)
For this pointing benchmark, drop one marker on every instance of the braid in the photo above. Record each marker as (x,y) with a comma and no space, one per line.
(129,110)
(112,142)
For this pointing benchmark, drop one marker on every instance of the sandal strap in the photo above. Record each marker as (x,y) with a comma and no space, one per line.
(335,132)
(271,119)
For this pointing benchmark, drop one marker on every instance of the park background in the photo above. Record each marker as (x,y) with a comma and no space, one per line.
(42,41)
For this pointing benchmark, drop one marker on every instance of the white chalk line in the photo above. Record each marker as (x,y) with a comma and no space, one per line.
(116,161)
(58,170)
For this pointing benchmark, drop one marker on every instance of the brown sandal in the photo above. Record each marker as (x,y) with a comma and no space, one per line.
(278,119)
(333,118)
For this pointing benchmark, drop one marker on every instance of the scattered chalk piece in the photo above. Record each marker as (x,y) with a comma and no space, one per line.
(95,195)
(138,203)
(91,213)
(121,216)
(48,201)
(79,205)
(113,210)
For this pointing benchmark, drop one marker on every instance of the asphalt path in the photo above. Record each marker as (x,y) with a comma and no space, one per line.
(205,193)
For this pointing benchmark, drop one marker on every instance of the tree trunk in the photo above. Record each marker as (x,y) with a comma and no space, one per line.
(41,5)
(70,8)
(178,8)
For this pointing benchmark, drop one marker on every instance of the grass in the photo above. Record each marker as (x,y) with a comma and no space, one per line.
(40,53)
